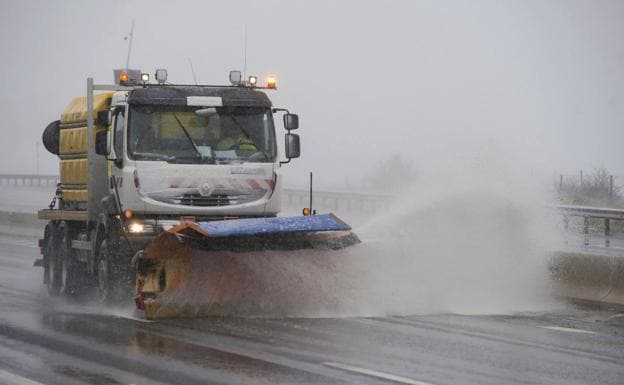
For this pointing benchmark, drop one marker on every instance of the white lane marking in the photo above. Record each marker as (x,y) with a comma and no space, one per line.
(17,380)
(376,374)
(134,318)
(562,329)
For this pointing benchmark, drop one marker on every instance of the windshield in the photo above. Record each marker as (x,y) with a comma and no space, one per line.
(180,134)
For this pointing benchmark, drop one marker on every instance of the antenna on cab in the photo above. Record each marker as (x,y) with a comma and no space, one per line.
(192,70)
(245,55)
(130,36)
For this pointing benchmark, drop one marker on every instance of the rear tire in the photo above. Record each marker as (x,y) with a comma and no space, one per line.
(74,272)
(67,275)
(52,271)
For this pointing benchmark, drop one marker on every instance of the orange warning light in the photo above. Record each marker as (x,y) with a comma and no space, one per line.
(272,82)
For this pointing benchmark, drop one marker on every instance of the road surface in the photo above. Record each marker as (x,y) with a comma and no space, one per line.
(51,341)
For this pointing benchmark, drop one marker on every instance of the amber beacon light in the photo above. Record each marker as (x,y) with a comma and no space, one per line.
(271,82)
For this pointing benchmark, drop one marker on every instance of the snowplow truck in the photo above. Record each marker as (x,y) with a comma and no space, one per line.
(156,178)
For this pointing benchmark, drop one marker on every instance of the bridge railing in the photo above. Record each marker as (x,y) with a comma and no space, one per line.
(18,180)
(337,200)
(349,201)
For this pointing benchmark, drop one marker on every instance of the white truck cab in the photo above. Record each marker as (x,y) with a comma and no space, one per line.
(207,152)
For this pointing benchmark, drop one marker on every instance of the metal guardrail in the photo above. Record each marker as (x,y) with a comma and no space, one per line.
(336,200)
(28,180)
(604,213)
(592,212)
(342,200)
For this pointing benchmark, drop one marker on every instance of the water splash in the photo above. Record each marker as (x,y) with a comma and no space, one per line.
(476,239)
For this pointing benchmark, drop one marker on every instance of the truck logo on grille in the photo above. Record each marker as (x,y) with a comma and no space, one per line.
(205,189)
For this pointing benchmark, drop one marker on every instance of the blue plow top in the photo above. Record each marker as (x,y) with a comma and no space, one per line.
(276,225)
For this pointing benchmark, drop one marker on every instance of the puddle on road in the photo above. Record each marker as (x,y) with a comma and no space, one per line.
(86,376)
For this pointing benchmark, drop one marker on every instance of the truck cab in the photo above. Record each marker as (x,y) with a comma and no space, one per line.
(162,154)
(203,152)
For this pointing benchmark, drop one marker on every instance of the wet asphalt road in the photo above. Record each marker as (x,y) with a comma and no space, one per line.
(44,341)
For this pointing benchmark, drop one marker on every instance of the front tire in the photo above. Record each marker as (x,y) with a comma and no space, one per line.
(113,276)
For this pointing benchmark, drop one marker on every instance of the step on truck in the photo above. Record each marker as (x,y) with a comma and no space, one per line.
(154,176)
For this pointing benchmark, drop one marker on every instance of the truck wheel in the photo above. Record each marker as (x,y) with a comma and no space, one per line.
(73,272)
(52,269)
(66,275)
(104,273)
(112,277)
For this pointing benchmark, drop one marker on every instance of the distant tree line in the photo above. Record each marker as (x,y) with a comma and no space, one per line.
(395,173)
(596,188)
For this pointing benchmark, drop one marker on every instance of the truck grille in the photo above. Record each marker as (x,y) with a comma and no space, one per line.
(199,200)
(213,200)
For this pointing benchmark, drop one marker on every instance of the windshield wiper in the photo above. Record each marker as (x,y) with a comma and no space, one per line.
(190,160)
(201,156)
(151,156)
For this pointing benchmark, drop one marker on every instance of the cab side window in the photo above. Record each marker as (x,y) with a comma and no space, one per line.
(118,133)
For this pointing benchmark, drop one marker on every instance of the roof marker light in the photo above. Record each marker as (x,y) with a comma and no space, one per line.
(271,82)
(123,78)
(253,80)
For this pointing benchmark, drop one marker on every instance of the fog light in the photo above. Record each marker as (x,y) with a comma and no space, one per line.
(236,78)
(136,228)
(145,78)
(161,75)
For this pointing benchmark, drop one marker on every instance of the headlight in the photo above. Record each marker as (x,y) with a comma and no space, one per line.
(138,228)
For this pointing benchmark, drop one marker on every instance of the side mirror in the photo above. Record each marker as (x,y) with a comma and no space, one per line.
(101,142)
(291,121)
(293,149)
(104,118)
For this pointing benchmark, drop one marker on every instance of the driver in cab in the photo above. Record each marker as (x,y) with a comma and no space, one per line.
(233,138)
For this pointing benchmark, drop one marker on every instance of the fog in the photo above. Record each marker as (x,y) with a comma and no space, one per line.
(438,83)
(487,101)
(471,240)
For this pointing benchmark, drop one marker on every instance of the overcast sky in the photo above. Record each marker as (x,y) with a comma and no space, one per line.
(541,82)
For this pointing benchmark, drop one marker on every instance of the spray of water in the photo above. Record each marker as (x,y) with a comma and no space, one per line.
(475,239)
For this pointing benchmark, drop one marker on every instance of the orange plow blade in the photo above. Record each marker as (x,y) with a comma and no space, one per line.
(201,269)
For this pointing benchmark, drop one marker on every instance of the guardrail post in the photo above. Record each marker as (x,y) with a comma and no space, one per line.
(586,230)
(611,187)
(607,228)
